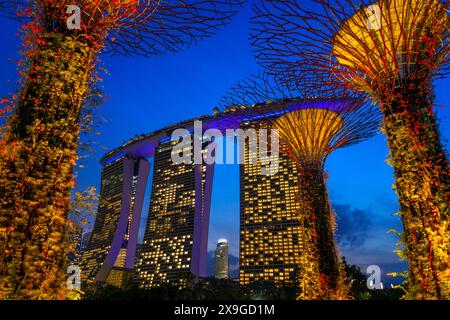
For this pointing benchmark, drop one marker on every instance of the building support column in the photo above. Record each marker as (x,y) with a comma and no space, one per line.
(143,169)
(130,166)
(203,194)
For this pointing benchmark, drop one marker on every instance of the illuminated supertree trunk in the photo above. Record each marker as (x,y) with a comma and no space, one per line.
(311,125)
(390,50)
(322,276)
(36,169)
(39,148)
(423,187)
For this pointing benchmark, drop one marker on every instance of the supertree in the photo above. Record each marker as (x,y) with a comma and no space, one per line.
(311,124)
(62,41)
(392,50)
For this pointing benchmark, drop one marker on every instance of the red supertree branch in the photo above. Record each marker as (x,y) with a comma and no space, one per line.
(337,38)
(311,120)
(392,50)
(134,27)
(39,146)
(262,94)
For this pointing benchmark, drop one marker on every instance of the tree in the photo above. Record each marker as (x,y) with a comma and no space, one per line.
(390,50)
(311,124)
(38,151)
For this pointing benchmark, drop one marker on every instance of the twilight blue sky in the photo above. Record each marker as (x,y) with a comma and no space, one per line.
(145,94)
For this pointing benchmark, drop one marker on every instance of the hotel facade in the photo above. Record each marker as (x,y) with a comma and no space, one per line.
(270,229)
(112,245)
(176,234)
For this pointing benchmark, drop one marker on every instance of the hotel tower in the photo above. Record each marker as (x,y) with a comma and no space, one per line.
(176,235)
(270,235)
(110,253)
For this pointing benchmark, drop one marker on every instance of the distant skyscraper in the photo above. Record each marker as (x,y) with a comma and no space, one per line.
(114,236)
(221,260)
(176,235)
(270,236)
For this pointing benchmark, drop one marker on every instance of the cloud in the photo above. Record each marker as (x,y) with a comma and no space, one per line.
(352,225)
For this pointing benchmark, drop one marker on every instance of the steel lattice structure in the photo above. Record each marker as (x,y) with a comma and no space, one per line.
(353,41)
(311,124)
(347,119)
(59,76)
(391,50)
(134,27)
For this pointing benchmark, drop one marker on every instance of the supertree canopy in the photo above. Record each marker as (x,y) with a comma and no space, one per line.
(381,45)
(310,124)
(130,27)
(308,132)
(391,50)
(62,40)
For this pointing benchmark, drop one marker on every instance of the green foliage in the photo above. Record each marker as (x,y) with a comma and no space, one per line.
(423,187)
(206,289)
(215,289)
(357,281)
(321,275)
(38,154)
